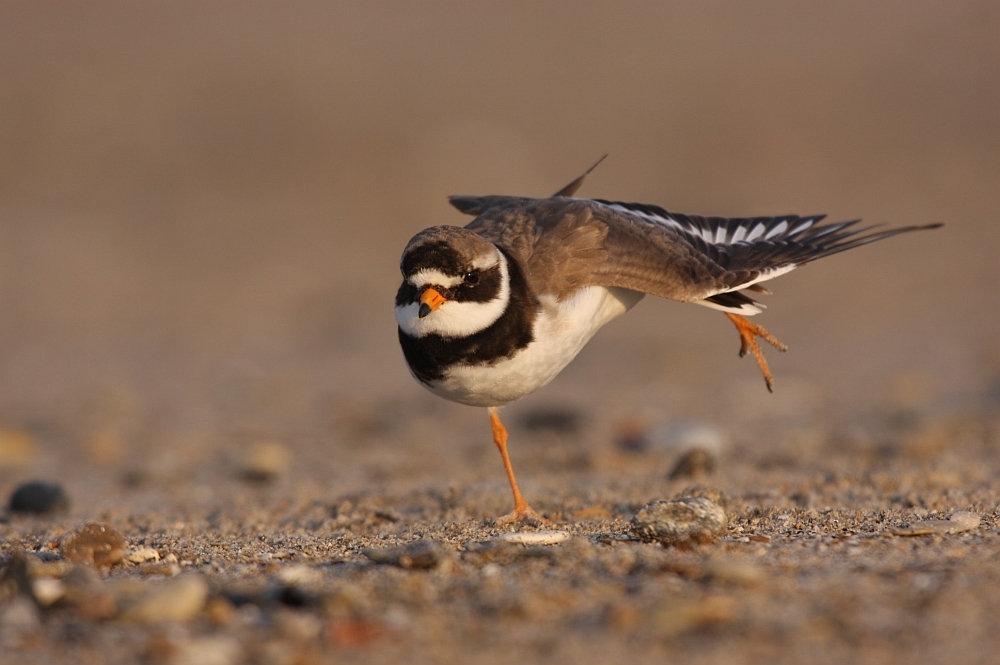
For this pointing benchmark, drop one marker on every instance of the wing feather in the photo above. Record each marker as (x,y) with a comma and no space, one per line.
(564,243)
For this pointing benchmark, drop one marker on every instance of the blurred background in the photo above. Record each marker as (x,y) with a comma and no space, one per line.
(202,206)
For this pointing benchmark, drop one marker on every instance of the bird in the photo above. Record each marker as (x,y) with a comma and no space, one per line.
(492,311)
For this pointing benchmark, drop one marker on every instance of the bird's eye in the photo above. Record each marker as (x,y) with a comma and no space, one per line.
(472,278)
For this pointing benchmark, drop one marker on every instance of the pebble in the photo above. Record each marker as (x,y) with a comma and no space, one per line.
(39,498)
(266,461)
(95,545)
(47,590)
(160,568)
(143,554)
(680,522)
(178,600)
(421,555)
(299,575)
(695,463)
(959,522)
(534,537)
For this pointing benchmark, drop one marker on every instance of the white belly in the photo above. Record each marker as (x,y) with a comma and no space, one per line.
(561,331)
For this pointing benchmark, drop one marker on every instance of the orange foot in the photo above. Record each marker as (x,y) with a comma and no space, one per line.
(523,515)
(748,334)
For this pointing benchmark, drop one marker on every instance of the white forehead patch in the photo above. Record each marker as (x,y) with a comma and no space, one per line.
(434,277)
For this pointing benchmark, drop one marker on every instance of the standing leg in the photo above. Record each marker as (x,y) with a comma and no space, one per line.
(522,511)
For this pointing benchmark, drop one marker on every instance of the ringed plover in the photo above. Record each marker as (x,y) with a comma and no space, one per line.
(493,311)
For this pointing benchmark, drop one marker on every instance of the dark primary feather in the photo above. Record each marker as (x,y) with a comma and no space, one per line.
(570,189)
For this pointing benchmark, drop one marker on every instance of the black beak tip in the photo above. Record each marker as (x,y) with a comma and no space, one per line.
(424,310)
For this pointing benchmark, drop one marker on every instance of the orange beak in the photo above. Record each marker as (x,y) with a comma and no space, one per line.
(430,300)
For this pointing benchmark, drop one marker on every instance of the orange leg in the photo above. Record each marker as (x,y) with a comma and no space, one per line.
(522,511)
(748,334)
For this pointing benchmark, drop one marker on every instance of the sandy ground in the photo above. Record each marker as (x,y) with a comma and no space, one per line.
(201,211)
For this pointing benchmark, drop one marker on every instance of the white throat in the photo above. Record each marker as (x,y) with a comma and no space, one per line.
(456,319)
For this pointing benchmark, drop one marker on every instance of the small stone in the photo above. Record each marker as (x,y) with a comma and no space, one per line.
(680,522)
(695,463)
(266,461)
(143,554)
(48,590)
(422,555)
(17,448)
(959,522)
(534,537)
(95,545)
(160,568)
(39,498)
(178,600)
(964,520)
(299,575)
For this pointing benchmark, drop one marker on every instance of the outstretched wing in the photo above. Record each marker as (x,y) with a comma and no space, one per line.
(708,260)
(565,243)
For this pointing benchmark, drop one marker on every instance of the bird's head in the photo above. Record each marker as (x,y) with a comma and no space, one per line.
(455,284)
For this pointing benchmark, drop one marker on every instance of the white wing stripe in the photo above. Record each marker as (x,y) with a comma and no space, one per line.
(776,231)
(755,233)
(746,309)
(719,235)
(804,225)
(766,275)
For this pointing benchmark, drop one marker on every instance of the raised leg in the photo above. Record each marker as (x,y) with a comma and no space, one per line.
(748,334)
(522,511)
